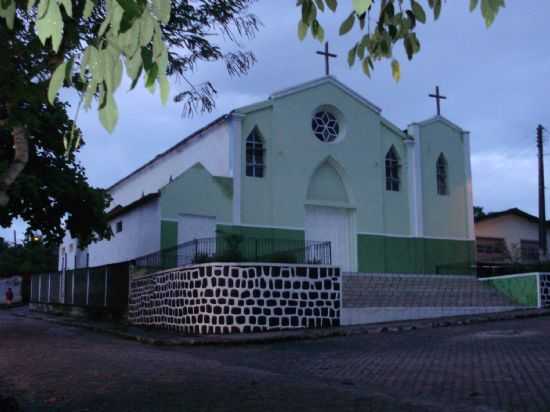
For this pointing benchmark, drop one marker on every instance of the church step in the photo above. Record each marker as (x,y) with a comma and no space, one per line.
(372,290)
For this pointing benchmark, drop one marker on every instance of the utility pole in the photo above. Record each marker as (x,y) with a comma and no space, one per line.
(542,203)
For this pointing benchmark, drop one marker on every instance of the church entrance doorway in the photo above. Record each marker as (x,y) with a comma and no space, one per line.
(334,224)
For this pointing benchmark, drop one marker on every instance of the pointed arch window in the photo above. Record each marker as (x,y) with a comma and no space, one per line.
(255,164)
(393,178)
(442,175)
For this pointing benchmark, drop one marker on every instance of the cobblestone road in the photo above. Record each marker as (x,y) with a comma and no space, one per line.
(488,367)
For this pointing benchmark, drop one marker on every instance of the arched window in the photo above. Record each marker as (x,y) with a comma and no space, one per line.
(255,154)
(442,176)
(393,180)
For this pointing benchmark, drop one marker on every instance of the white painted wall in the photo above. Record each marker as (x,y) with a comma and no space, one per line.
(140,236)
(192,227)
(212,149)
(512,228)
(67,252)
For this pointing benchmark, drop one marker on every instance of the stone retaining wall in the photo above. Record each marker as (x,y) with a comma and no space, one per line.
(230,297)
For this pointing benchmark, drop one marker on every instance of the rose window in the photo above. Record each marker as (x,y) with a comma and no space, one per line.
(325,126)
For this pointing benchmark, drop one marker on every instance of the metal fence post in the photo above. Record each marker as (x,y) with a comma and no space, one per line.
(106,285)
(72,289)
(39,288)
(87,286)
(49,286)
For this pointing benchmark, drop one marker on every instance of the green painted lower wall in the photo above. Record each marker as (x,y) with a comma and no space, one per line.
(384,254)
(521,289)
(168,234)
(168,240)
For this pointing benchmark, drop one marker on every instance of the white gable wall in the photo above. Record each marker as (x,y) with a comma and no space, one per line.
(140,236)
(211,149)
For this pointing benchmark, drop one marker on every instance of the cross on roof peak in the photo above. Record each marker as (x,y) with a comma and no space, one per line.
(327,55)
(438,97)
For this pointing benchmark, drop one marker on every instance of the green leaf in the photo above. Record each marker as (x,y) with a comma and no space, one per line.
(418,11)
(108,114)
(320,5)
(490,9)
(56,82)
(318,31)
(133,66)
(302,30)
(51,26)
(152,75)
(162,10)
(42,8)
(9,14)
(68,6)
(351,55)
(147,28)
(396,70)
(88,8)
(366,68)
(361,6)
(473,4)
(347,25)
(437,9)
(164,89)
(332,4)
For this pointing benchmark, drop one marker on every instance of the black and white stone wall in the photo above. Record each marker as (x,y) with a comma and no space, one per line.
(544,279)
(231,298)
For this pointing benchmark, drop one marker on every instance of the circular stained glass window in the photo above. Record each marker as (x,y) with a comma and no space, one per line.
(325,126)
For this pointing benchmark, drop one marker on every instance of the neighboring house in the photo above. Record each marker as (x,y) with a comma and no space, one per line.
(508,236)
(313,162)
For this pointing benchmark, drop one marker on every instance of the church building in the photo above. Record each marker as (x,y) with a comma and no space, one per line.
(313,162)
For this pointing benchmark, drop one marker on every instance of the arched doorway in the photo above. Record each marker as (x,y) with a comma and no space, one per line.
(330,214)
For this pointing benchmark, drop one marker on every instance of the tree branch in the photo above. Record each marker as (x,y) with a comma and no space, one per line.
(20,159)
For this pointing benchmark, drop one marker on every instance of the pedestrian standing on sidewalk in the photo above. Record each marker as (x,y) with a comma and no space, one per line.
(9,296)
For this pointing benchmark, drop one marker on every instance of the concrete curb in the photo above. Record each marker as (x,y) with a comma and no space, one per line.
(296,335)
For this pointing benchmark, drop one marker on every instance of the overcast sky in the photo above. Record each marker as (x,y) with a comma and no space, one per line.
(496,81)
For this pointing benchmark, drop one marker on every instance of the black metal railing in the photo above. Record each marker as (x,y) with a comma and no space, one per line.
(238,249)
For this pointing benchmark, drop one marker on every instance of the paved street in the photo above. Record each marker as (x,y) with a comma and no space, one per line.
(486,367)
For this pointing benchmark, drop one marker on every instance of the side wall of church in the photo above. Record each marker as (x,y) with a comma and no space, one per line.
(211,149)
(140,236)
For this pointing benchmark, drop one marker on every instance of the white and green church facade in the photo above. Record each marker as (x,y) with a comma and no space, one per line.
(313,162)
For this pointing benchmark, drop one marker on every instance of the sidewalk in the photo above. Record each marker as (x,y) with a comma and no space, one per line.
(169,338)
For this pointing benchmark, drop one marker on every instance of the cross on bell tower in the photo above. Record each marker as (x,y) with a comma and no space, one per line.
(327,55)
(438,97)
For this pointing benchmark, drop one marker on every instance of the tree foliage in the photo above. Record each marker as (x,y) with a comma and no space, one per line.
(385,24)
(89,45)
(30,257)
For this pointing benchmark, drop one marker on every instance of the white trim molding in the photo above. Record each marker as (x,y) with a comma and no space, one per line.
(470,228)
(235,151)
(326,79)
(414,165)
